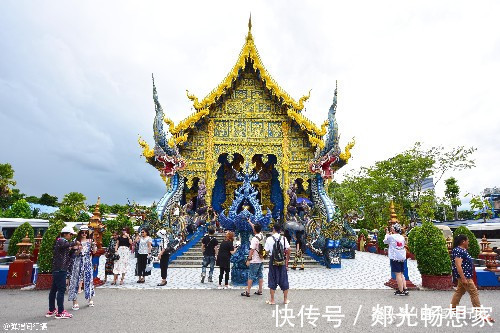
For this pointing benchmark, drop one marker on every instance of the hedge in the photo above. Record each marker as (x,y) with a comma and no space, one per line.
(18,236)
(431,251)
(474,247)
(412,237)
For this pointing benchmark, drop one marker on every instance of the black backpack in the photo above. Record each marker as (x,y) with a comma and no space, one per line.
(278,253)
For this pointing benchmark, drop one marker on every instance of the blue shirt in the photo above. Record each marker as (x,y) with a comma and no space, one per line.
(467,263)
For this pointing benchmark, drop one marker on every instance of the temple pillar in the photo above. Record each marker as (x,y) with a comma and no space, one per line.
(209,162)
(285,163)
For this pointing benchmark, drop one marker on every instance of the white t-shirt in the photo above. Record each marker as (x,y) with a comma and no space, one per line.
(254,244)
(397,249)
(143,245)
(270,243)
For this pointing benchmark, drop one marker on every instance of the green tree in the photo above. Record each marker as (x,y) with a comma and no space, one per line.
(20,209)
(83,217)
(65,213)
(474,247)
(32,199)
(75,201)
(18,236)
(451,193)
(6,180)
(48,200)
(481,204)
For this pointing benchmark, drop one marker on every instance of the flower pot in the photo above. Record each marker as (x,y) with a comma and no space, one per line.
(438,282)
(44,281)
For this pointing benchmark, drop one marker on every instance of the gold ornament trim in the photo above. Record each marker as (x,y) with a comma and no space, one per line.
(146,152)
(305,123)
(346,155)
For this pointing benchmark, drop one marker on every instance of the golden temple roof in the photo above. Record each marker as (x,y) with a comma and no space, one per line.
(248,52)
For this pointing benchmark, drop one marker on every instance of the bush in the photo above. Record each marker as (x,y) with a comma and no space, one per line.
(431,251)
(412,237)
(106,238)
(474,247)
(380,238)
(47,247)
(18,236)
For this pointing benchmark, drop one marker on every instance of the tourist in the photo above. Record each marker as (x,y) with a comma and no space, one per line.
(122,249)
(255,260)
(111,257)
(462,268)
(226,249)
(397,256)
(82,269)
(299,251)
(208,246)
(144,251)
(63,249)
(166,248)
(279,248)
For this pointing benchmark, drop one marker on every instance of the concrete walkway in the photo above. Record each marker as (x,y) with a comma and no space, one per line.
(367,271)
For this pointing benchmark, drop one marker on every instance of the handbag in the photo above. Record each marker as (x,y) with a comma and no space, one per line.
(149,266)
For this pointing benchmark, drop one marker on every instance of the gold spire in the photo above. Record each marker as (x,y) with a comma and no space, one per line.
(249,36)
(394,217)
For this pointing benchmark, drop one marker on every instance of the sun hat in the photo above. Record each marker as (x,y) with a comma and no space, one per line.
(84,228)
(67,230)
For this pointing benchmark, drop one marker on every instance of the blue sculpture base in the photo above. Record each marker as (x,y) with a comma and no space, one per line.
(348,254)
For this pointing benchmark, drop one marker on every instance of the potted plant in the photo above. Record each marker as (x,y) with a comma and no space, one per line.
(18,236)
(474,248)
(432,257)
(44,280)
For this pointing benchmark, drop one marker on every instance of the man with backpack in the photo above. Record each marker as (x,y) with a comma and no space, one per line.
(255,260)
(208,247)
(279,248)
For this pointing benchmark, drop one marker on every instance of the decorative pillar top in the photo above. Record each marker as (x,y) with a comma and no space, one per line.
(23,248)
(394,217)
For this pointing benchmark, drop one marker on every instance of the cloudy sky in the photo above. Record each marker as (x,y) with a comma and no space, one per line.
(75,80)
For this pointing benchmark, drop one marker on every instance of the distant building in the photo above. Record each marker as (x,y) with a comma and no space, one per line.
(493,196)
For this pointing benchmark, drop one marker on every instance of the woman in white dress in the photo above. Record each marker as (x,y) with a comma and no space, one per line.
(122,248)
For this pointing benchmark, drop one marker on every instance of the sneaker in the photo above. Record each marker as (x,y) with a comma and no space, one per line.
(210,279)
(202,278)
(406,292)
(51,313)
(64,315)
(399,293)
(91,303)
(228,287)
(75,307)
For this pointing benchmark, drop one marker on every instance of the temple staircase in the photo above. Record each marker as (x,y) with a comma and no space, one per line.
(193,257)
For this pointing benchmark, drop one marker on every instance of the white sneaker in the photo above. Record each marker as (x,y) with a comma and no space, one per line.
(75,307)
(220,287)
(228,287)
(91,303)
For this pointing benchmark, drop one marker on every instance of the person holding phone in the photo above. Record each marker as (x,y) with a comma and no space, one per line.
(397,256)
(82,269)
(122,248)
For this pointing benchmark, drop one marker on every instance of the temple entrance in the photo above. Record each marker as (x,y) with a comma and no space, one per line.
(268,186)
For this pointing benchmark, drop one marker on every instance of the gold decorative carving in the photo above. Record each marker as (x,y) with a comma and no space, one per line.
(146,152)
(346,154)
(210,159)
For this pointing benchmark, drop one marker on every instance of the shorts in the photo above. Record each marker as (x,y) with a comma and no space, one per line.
(255,272)
(278,276)
(397,266)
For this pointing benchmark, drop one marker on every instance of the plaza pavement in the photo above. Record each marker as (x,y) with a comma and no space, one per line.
(207,311)
(367,271)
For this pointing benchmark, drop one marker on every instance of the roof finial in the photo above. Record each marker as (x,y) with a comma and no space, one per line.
(249,36)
